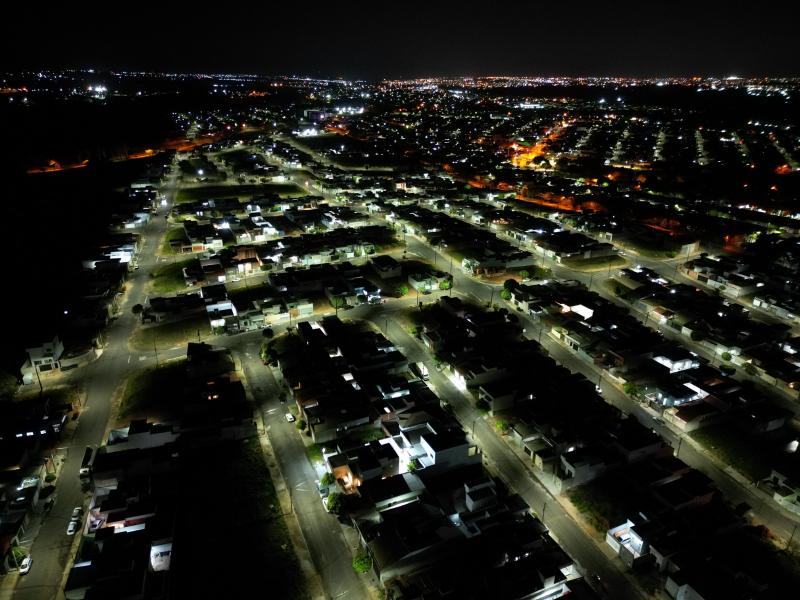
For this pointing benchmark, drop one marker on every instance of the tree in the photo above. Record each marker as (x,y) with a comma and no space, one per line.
(633,389)
(445,284)
(505,294)
(502,426)
(327,479)
(19,554)
(268,333)
(509,284)
(524,274)
(335,503)
(726,356)
(301,424)
(338,302)
(362,562)
(137,309)
(401,290)
(413,465)
(697,336)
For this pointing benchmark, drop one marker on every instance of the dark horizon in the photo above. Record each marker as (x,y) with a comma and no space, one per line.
(359,41)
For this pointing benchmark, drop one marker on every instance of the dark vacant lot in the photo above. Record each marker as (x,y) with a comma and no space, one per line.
(230,521)
(243,192)
(155,393)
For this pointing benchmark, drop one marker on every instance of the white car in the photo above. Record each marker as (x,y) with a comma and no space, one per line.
(72,527)
(77,512)
(290,417)
(25,565)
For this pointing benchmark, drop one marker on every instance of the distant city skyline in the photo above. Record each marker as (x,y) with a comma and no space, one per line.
(362,41)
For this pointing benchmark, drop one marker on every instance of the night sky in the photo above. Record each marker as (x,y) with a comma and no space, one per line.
(379,39)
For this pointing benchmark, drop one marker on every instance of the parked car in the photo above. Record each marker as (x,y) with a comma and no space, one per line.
(25,565)
(290,417)
(322,489)
(420,370)
(72,527)
(77,512)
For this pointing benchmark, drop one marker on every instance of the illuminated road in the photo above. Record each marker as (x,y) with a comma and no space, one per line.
(321,531)
(779,521)
(51,550)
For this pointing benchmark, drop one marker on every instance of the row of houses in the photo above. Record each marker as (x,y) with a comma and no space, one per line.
(724,328)
(481,250)
(427,514)
(674,522)
(130,527)
(92,302)
(29,430)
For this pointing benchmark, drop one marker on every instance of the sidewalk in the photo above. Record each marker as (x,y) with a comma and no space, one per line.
(8,582)
(369,578)
(576,516)
(299,545)
(726,469)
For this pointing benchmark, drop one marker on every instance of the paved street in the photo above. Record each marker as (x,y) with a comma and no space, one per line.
(51,550)
(778,520)
(321,530)
(503,462)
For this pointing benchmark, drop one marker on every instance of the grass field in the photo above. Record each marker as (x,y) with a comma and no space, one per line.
(174,233)
(169,335)
(243,192)
(602,502)
(741,452)
(153,392)
(168,278)
(594,264)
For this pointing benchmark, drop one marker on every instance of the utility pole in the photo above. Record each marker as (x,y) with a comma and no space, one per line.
(452,280)
(491,298)
(156,351)
(791,537)
(38,377)
(677,264)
